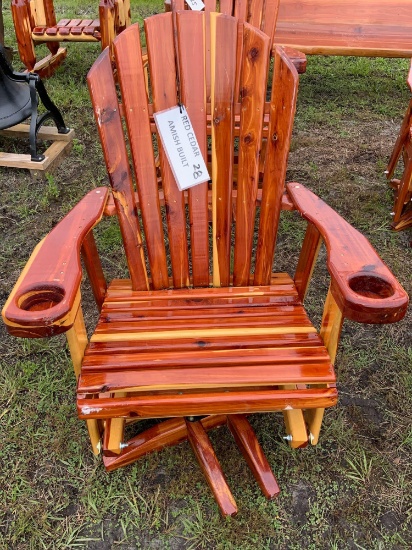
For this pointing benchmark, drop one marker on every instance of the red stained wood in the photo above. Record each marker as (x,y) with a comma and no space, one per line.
(256,48)
(63,23)
(52,31)
(307,259)
(346,27)
(222,100)
(64,31)
(130,73)
(247,442)
(210,466)
(54,273)
(283,105)
(169,432)
(163,78)
(94,269)
(106,111)
(210,402)
(362,285)
(192,85)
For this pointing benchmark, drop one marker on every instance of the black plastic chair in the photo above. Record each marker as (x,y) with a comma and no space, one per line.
(19,94)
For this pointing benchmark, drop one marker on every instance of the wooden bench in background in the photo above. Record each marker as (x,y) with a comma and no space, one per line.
(35,23)
(377,28)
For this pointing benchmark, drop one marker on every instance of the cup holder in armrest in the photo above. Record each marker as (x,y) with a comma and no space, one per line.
(371,286)
(41,299)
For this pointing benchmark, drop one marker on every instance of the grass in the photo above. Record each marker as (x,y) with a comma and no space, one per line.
(353,490)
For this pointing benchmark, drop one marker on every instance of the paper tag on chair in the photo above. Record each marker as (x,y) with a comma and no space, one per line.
(181,147)
(196,5)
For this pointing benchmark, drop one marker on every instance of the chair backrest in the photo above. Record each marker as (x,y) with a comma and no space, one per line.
(239,124)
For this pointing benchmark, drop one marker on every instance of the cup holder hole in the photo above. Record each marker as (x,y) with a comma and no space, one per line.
(371,286)
(41,299)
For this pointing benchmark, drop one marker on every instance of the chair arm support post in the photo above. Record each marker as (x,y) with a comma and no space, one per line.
(45,299)
(94,269)
(363,287)
(307,260)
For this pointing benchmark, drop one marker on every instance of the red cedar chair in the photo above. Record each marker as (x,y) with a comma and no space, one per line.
(402,210)
(35,23)
(203,332)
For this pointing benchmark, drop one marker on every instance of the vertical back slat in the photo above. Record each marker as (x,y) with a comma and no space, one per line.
(192,81)
(106,109)
(226,7)
(282,110)
(161,55)
(269,18)
(255,13)
(223,55)
(131,77)
(210,7)
(241,10)
(256,49)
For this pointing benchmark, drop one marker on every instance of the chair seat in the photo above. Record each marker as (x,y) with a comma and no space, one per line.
(69,29)
(170,349)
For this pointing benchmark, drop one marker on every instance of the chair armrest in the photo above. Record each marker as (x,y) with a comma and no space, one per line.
(362,285)
(45,299)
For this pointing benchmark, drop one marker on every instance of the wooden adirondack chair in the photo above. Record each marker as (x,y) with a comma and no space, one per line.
(402,210)
(203,332)
(35,23)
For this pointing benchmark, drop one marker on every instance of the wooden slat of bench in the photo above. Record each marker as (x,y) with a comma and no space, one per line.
(342,39)
(216,342)
(302,371)
(199,404)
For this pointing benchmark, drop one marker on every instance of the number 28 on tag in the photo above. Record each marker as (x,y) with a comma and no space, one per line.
(181,147)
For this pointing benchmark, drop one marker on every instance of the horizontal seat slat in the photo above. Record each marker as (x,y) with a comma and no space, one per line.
(211,377)
(205,358)
(211,403)
(242,321)
(199,333)
(243,341)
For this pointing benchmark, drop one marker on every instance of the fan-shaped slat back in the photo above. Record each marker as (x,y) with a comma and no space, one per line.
(256,49)
(190,27)
(107,114)
(161,54)
(223,30)
(133,88)
(282,109)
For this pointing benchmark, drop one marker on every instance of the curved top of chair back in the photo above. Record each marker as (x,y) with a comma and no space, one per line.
(232,131)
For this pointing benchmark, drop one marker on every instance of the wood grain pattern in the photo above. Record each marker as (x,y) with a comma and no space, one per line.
(191,51)
(346,27)
(42,301)
(163,78)
(222,98)
(169,432)
(202,447)
(210,402)
(246,440)
(256,48)
(130,70)
(106,111)
(94,269)
(362,285)
(281,116)
(307,260)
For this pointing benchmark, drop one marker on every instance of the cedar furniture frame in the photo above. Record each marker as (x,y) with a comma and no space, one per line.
(376,28)
(19,94)
(402,210)
(196,337)
(35,23)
